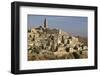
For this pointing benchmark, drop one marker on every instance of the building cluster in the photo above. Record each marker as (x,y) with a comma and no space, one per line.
(51,44)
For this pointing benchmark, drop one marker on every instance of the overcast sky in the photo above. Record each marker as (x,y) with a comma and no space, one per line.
(72,24)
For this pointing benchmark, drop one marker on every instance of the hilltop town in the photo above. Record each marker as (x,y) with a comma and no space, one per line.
(45,43)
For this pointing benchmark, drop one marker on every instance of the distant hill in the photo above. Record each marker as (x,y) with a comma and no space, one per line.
(83,40)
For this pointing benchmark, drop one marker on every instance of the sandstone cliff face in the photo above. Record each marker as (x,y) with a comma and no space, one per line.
(52,44)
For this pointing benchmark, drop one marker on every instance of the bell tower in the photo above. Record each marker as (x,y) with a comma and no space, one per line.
(45,23)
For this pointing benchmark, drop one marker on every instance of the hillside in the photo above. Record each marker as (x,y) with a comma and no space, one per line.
(51,44)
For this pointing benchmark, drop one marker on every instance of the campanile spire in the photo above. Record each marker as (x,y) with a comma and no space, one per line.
(45,23)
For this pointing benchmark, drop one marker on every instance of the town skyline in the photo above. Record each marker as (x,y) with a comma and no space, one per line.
(76,26)
(45,43)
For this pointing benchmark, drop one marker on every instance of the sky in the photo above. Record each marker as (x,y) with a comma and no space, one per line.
(74,25)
